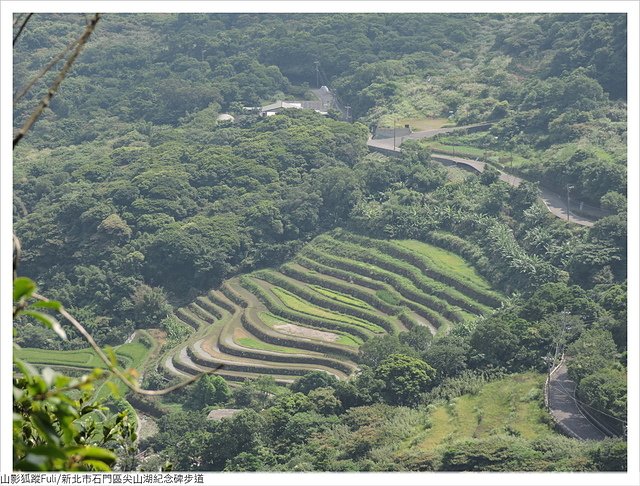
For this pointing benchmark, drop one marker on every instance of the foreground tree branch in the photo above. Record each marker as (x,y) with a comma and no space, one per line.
(89,338)
(43,71)
(24,24)
(82,40)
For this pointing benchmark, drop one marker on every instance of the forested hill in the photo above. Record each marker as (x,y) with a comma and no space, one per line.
(129,189)
(170,65)
(367,312)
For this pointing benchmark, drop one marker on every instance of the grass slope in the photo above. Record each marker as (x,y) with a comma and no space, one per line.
(511,405)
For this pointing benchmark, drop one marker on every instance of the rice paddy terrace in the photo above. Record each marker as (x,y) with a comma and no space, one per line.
(314,312)
(133,354)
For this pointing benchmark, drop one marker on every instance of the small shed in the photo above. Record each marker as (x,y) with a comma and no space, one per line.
(224,117)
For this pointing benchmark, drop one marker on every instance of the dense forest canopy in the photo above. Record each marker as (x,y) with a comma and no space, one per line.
(131,198)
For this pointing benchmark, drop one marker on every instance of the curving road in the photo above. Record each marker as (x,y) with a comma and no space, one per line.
(554,203)
(563,407)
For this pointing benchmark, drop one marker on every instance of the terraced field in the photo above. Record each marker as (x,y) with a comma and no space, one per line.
(130,355)
(314,312)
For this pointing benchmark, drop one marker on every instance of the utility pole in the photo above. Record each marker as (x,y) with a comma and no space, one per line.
(394,134)
(568,206)
(317,63)
(348,114)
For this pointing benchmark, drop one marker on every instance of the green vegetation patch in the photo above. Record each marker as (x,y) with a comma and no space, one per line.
(445,299)
(256,344)
(340,297)
(446,260)
(416,124)
(130,355)
(79,359)
(295,303)
(511,405)
(410,294)
(388,297)
(344,338)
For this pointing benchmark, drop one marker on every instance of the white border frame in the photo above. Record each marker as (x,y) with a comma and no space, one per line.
(631,7)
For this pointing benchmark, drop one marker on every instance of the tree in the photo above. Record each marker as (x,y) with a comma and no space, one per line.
(150,305)
(592,351)
(493,343)
(610,455)
(489,175)
(614,201)
(448,355)
(419,339)
(404,379)
(606,390)
(525,195)
(551,298)
(378,348)
(340,190)
(324,401)
(209,390)
(312,381)
(51,430)
(115,227)
(54,432)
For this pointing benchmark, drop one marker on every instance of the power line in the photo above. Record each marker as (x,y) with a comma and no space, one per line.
(561,388)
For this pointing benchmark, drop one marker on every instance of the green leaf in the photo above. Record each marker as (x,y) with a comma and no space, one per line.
(32,462)
(48,451)
(49,375)
(111,355)
(49,321)
(91,452)
(25,368)
(97,465)
(113,388)
(43,423)
(50,304)
(22,287)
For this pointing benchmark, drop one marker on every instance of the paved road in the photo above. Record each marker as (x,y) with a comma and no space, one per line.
(326,97)
(555,204)
(563,407)
(558,206)
(387,142)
